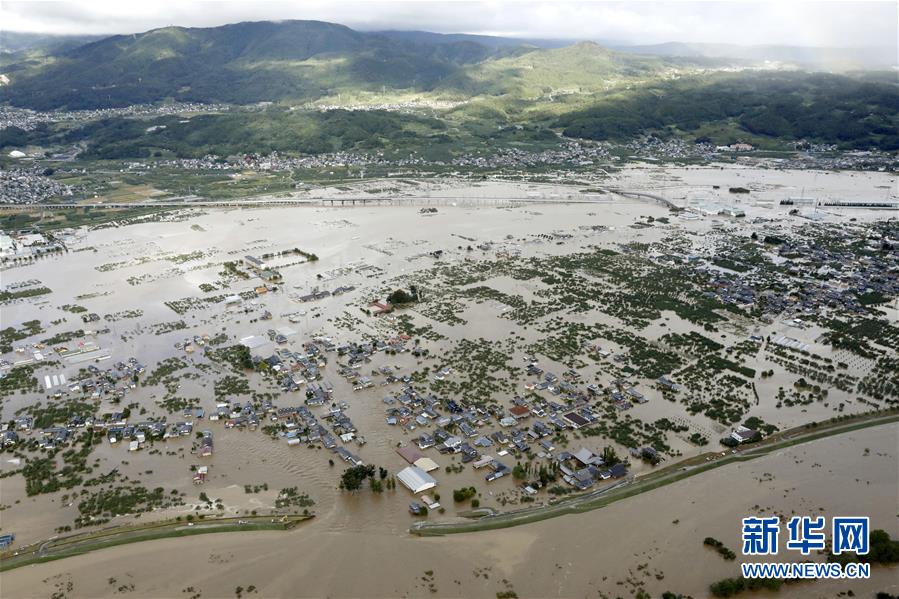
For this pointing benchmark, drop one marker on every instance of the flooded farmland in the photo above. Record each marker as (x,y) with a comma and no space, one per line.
(640,334)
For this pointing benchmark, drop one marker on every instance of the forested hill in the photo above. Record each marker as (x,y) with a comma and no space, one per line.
(240,63)
(470,91)
(831,108)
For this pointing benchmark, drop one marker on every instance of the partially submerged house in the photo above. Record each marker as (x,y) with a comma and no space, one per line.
(575,420)
(410,453)
(519,412)
(426,464)
(744,435)
(205,445)
(415,479)
(378,308)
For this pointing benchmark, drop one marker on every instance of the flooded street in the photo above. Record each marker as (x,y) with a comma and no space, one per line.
(406,300)
(158,284)
(578,555)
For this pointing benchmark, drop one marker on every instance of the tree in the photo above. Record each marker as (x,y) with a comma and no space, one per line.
(609,455)
(518,471)
(242,354)
(351,479)
(464,493)
(545,476)
(400,296)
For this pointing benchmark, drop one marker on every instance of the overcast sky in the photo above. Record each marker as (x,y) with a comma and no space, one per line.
(839,24)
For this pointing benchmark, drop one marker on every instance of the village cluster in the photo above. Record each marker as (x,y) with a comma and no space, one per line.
(43,178)
(832,278)
(31,186)
(448,426)
(26,120)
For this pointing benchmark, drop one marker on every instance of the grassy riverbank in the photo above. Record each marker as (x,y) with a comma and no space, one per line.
(78,544)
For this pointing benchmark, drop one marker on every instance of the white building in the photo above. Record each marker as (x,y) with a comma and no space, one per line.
(416,480)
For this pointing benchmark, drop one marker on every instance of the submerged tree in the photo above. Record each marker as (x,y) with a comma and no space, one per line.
(401,296)
(352,478)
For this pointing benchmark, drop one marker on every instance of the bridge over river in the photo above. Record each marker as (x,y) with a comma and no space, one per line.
(348,201)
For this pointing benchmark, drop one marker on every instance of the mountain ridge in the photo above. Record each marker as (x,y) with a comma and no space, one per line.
(829,57)
(297,60)
(469,91)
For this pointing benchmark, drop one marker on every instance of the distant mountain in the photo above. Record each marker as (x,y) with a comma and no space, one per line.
(837,59)
(244,63)
(12,42)
(299,61)
(490,41)
(499,91)
(21,52)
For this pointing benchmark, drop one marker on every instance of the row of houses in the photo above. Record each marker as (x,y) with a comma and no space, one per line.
(584,468)
(461,431)
(114,426)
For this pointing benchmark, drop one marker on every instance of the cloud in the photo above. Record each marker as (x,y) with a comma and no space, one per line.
(840,24)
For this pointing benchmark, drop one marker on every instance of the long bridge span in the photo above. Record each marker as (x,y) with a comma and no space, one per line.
(346,202)
(642,194)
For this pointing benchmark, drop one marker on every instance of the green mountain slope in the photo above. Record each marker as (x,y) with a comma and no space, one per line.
(818,107)
(491,91)
(241,63)
(581,68)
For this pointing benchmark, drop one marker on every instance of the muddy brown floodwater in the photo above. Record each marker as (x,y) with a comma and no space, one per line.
(599,553)
(358,544)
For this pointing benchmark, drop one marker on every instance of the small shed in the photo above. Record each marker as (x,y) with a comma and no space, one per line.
(426,464)
(430,502)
